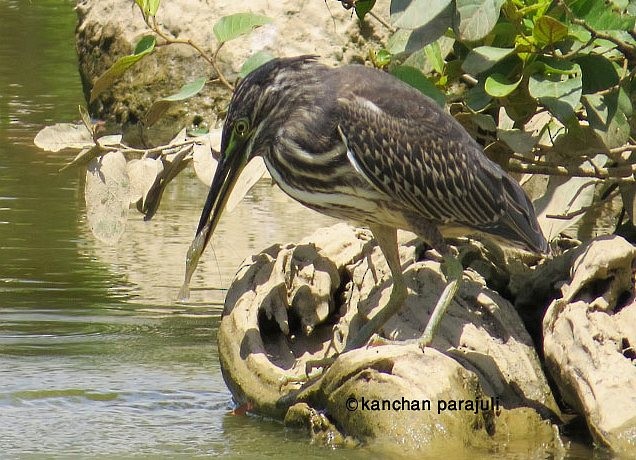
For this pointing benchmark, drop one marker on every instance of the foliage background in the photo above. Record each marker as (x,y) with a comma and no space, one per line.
(545,86)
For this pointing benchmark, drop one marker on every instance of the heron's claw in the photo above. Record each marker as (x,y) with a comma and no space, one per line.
(325,363)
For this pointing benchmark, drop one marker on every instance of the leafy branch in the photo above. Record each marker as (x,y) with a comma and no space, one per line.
(225,29)
(625,48)
(545,86)
(168,40)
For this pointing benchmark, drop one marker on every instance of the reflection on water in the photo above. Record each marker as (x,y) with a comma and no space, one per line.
(151,255)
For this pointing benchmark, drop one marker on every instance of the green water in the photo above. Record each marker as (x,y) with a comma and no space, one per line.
(96,357)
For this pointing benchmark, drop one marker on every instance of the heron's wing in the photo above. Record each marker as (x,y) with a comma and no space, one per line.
(411,150)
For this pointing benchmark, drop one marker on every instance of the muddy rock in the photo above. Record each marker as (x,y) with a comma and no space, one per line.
(589,340)
(107,31)
(296,303)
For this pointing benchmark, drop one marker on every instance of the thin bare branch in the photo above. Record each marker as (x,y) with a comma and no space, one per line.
(624,172)
(625,48)
(179,41)
(583,210)
(381,20)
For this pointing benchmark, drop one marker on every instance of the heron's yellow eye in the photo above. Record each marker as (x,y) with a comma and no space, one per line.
(241,127)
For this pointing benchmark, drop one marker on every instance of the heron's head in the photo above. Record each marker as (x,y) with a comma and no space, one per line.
(257,108)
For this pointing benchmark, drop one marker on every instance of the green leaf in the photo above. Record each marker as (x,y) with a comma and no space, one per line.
(363,7)
(579,33)
(477,18)
(410,41)
(599,17)
(381,59)
(497,85)
(418,80)
(254,62)
(420,59)
(548,31)
(564,195)
(477,99)
(188,90)
(519,105)
(396,43)
(148,7)
(159,107)
(434,56)
(483,58)
(145,46)
(503,35)
(609,116)
(598,73)
(233,26)
(413,14)
(478,125)
(574,144)
(561,94)
(518,140)
(628,194)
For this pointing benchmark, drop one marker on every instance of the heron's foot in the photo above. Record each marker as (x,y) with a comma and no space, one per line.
(326,362)
(453,270)
(379,341)
(374,325)
(323,363)
(425,341)
(300,380)
(311,366)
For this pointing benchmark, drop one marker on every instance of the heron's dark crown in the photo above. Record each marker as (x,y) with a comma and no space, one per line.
(269,93)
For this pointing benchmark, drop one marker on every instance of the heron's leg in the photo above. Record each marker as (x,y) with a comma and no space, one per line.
(453,270)
(387,240)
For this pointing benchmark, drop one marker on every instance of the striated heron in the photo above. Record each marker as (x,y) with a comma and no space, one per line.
(357,144)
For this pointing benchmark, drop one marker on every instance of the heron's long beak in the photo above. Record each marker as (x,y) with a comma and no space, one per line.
(227,172)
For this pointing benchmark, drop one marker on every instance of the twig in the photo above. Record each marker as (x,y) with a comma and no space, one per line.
(583,210)
(179,41)
(381,20)
(596,167)
(572,53)
(625,48)
(164,149)
(469,79)
(530,161)
(622,149)
(623,172)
